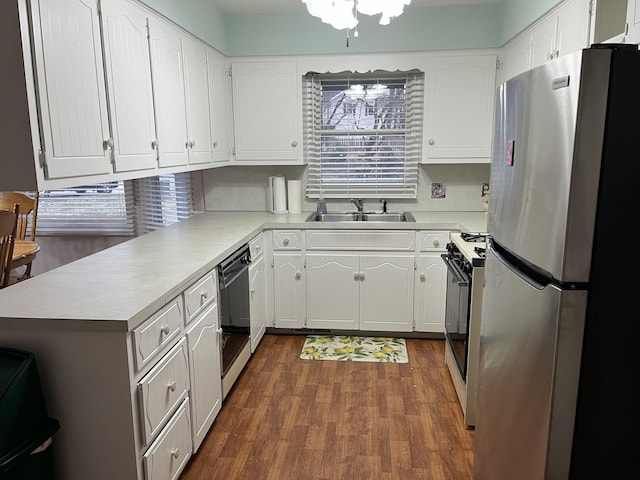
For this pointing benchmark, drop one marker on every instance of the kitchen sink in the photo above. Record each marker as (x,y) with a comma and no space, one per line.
(361,217)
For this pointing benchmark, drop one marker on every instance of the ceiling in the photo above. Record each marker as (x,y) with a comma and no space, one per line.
(274,6)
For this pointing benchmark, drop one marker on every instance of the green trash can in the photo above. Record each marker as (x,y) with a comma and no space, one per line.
(26,431)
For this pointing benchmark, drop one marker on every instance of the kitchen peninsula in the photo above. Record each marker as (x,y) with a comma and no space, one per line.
(86,324)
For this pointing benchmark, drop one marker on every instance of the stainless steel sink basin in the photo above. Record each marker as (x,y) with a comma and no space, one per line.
(361,217)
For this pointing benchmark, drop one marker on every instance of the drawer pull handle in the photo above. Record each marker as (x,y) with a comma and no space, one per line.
(165,329)
(286,242)
(172,386)
(203,296)
(298,275)
(175,453)
(436,243)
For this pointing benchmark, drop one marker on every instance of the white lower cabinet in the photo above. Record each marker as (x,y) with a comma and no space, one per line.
(288,289)
(203,342)
(368,291)
(360,279)
(257,302)
(430,282)
(168,454)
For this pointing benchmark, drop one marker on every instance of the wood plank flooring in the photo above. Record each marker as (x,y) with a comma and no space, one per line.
(293,419)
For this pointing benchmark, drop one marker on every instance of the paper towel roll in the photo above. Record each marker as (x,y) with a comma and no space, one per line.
(279,195)
(293,194)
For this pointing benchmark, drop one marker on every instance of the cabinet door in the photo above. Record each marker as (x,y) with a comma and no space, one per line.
(220,107)
(459,114)
(543,41)
(168,93)
(633,22)
(197,101)
(204,368)
(430,293)
(266,114)
(332,286)
(128,69)
(386,292)
(516,59)
(573,27)
(288,288)
(68,55)
(257,302)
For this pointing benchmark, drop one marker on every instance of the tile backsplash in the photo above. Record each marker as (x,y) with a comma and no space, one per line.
(245,189)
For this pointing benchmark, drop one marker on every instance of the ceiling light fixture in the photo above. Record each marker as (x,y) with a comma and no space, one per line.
(343,14)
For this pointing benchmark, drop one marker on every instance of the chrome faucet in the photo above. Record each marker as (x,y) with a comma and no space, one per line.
(358,203)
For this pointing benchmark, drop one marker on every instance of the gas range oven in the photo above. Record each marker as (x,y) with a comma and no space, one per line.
(465,277)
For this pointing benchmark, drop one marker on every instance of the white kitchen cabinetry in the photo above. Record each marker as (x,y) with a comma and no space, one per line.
(68,58)
(203,344)
(633,22)
(266,112)
(257,292)
(360,280)
(288,279)
(196,93)
(168,88)
(459,109)
(431,282)
(565,30)
(220,108)
(515,57)
(128,68)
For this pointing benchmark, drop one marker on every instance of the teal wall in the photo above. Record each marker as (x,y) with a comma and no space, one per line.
(432,28)
(518,14)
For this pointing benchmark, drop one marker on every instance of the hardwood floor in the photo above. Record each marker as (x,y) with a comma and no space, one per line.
(293,419)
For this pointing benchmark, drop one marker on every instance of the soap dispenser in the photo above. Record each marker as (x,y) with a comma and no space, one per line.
(321,208)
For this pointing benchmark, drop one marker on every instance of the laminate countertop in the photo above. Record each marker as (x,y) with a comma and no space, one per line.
(119,287)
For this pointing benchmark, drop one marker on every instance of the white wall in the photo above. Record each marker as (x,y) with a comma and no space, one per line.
(245,189)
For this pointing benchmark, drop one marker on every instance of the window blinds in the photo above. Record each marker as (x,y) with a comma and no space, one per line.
(161,201)
(363,134)
(104,209)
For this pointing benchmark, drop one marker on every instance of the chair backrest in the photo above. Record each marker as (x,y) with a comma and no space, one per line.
(8,227)
(27,220)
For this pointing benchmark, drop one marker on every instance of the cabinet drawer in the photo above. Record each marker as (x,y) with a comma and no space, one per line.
(287,239)
(162,390)
(256,247)
(166,457)
(360,240)
(161,329)
(436,240)
(200,294)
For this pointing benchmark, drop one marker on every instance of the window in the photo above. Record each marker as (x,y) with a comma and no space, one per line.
(130,207)
(363,134)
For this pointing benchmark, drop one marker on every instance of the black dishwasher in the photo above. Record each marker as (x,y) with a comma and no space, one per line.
(233,279)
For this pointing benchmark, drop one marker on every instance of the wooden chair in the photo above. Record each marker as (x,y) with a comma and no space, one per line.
(8,228)
(27,222)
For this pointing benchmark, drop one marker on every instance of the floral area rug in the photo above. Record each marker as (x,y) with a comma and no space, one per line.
(355,349)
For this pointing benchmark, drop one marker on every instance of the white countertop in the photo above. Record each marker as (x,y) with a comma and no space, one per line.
(117,288)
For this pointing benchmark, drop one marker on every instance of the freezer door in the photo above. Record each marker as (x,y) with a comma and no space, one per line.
(530,345)
(544,179)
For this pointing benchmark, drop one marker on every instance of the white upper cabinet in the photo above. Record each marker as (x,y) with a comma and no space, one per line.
(266,113)
(129,85)
(459,109)
(168,90)
(73,102)
(573,27)
(633,22)
(220,108)
(194,56)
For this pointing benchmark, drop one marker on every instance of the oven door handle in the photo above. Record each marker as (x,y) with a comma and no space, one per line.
(461,277)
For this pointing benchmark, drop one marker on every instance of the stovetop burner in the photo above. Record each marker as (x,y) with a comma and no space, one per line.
(482,252)
(473,237)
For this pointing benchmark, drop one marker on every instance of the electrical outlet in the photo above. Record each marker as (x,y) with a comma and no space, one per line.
(485,190)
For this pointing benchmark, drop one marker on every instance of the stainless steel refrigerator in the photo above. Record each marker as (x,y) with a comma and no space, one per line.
(560,303)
